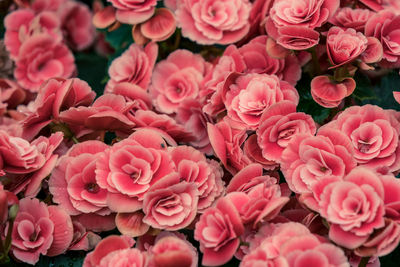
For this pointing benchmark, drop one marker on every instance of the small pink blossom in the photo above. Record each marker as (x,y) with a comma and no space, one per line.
(135,66)
(213,22)
(41,57)
(218,232)
(329,93)
(133,12)
(347,17)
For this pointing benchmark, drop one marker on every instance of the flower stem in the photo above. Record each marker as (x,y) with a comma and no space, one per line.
(363,262)
(315,61)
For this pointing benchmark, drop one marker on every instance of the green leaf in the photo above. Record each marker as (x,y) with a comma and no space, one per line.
(364,90)
(120,38)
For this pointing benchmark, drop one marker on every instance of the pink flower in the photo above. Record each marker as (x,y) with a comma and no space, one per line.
(329,93)
(309,159)
(73,181)
(56,95)
(247,96)
(131,224)
(109,112)
(218,232)
(41,57)
(291,244)
(11,94)
(296,37)
(40,230)
(76,23)
(107,246)
(23,23)
(134,12)
(354,207)
(343,46)
(135,66)
(83,239)
(347,17)
(170,204)
(253,151)
(177,78)
(383,26)
(213,22)
(311,14)
(193,167)
(194,120)
(374,135)
(226,143)
(124,257)
(129,168)
(170,250)
(258,198)
(279,124)
(158,28)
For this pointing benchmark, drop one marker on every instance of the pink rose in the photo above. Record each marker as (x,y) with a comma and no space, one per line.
(170,250)
(134,66)
(76,23)
(258,198)
(343,46)
(383,26)
(347,17)
(309,159)
(226,142)
(41,57)
(73,181)
(170,204)
(213,22)
(177,78)
(134,12)
(329,93)
(247,96)
(56,95)
(374,135)
(279,124)
(129,168)
(40,230)
(218,232)
(354,207)
(23,23)
(193,167)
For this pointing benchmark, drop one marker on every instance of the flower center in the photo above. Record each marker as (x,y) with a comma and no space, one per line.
(92,188)
(363,146)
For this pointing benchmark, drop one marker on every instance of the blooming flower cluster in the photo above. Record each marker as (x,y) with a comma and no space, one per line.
(200,147)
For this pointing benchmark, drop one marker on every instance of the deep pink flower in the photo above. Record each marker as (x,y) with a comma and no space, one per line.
(213,22)
(11,94)
(124,257)
(297,37)
(170,204)
(131,224)
(76,23)
(23,23)
(129,168)
(134,12)
(247,96)
(135,66)
(177,78)
(347,17)
(73,181)
(82,238)
(279,124)
(218,232)
(192,166)
(253,151)
(384,26)
(309,159)
(354,207)
(54,96)
(226,143)
(172,250)
(374,135)
(258,198)
(39,229)
(41,57)
(329,93)
(343,46)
